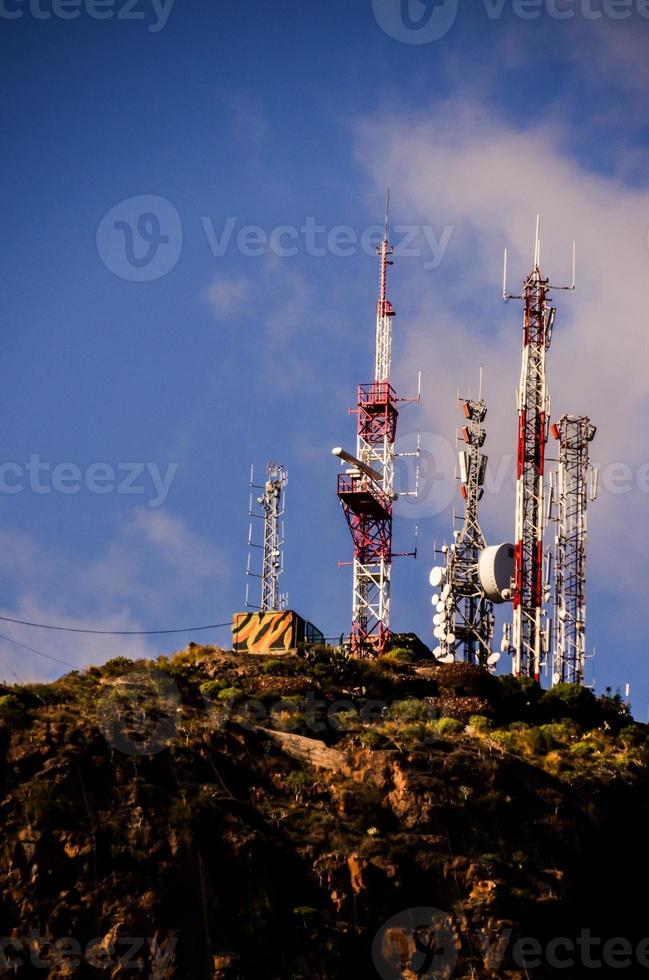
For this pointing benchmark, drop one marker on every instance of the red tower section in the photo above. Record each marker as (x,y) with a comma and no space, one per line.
(368,510)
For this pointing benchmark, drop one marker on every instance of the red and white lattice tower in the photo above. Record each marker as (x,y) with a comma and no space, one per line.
(574,482)
(366,491)
(528,637)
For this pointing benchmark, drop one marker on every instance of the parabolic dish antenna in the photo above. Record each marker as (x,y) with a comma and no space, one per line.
(436,576)
(496,570)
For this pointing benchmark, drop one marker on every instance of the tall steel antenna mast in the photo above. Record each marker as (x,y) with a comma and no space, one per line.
(529,641)
(272,503)
(573,484)
(366,491)
(464,619)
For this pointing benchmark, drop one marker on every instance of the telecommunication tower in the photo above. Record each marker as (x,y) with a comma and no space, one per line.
(272,503)
(366,491)
(464,617)
(529,639)
(574,482)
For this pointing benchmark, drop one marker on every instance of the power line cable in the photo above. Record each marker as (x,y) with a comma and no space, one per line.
(96,632)
(40,653)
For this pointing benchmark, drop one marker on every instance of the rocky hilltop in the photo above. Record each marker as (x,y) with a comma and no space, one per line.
(213,816)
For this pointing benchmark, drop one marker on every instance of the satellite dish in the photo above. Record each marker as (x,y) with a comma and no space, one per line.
(446,591)
(437,619)
(556,677)
(435,598)
(562,613)
(450,638)
(436,576)
(438,632)
(493,659)
(496,570)
(436,652)
(448,659)
(504,645)
(441,606)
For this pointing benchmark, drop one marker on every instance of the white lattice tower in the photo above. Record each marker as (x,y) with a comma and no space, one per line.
(467,619)
(573,485)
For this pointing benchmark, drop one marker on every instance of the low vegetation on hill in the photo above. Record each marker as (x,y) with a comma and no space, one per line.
(217,815)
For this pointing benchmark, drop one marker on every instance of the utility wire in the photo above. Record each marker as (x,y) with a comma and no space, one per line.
(40,653)
(73,629)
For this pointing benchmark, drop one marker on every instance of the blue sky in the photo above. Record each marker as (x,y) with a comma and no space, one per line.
(293,115)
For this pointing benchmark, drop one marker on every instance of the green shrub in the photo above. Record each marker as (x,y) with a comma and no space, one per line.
(116,667)
(212,689)
(480,723)
(400,655)
(571,701)
(372,739)
(411,710)
(582,750)
(272,666)
(490,865)
(230,694)
(559,733)
(517,698)
(10,707)
(449,726)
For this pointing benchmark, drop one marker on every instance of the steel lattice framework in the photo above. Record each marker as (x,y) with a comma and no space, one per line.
(368,501)
(528,637)
(272,508)
(468,627)
(571,491)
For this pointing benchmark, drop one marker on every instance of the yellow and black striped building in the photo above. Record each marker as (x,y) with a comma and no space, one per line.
(272,632)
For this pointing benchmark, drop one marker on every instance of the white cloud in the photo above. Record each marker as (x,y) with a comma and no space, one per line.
(176,544)
(461,163)
(58,588)
(228,296)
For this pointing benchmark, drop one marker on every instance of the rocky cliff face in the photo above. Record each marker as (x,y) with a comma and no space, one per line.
(212,816)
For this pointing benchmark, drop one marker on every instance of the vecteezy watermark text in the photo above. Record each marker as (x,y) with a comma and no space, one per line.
(426,21)
(126,952)
(127,10)
(316,240)
(426,941)
(41,477)
(141,239)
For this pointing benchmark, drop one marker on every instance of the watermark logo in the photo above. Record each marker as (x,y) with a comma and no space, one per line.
(155,11)
(138,714)
(417,942)
(140,239)
(41,477)
(415,21)
(424,475)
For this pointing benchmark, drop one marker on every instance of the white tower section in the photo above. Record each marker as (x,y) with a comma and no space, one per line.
(464,619)
(271,503)
(528,635)
(574,483)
